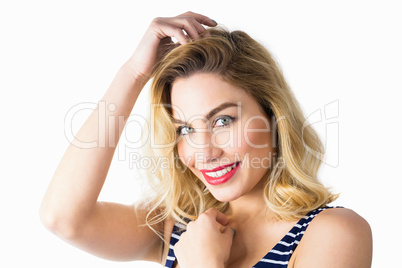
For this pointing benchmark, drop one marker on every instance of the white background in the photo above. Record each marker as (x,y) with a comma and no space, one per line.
(54,55)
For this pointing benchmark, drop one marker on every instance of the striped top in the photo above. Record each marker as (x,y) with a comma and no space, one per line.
(277,257)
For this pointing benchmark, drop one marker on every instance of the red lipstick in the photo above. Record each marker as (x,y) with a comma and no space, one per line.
(224,177)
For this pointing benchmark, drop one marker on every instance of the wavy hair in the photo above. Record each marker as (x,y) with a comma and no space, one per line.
(291,187)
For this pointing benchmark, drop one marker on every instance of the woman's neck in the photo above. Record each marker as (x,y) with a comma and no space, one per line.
(248,208)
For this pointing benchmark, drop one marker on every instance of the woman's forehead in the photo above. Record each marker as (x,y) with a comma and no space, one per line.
(199,93)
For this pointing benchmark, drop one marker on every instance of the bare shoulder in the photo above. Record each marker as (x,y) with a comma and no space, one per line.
(337,237)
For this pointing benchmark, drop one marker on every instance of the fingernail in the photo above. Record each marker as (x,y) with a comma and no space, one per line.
(233,230)
(214,22)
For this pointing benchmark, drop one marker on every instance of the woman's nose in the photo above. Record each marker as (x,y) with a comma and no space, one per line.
(204,148)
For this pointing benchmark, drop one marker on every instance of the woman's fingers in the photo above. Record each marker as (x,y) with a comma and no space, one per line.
(190,22)
(200,18)
(217,216)
(197,21)
(163,30)
(151,48)
(193,28)
(213,218)
(189,25)
(207,240)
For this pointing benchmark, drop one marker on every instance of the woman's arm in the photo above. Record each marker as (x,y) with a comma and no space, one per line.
(70,208)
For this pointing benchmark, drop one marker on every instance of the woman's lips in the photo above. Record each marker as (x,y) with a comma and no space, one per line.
(220,174)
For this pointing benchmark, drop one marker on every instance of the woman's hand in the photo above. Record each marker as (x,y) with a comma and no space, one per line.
(153,45)
(206,243)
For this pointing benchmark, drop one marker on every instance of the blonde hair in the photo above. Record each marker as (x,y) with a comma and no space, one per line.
(292,188)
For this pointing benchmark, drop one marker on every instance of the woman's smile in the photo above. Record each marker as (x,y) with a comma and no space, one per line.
(221,174)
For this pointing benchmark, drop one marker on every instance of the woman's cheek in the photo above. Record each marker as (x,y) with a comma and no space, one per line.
(257,133)
(257,140)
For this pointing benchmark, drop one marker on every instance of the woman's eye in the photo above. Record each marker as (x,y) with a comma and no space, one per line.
(223,121)
(184,130)
(220,122)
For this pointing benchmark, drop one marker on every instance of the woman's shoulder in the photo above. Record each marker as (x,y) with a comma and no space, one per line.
(340,219)
(337,216)
(337,224)
(337,235)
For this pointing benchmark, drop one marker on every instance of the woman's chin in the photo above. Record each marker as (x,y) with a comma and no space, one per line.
(223,196)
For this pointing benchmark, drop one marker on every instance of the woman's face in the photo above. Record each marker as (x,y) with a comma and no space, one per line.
(225,138)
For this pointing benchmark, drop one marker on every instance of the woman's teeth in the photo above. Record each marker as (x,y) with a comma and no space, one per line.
(221,172)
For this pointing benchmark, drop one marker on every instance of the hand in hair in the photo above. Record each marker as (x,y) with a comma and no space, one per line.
(207,241)
(156,40)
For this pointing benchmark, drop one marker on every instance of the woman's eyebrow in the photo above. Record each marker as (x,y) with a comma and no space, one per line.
(212,112)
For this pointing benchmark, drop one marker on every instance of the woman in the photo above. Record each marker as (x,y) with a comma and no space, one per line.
(241,171)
